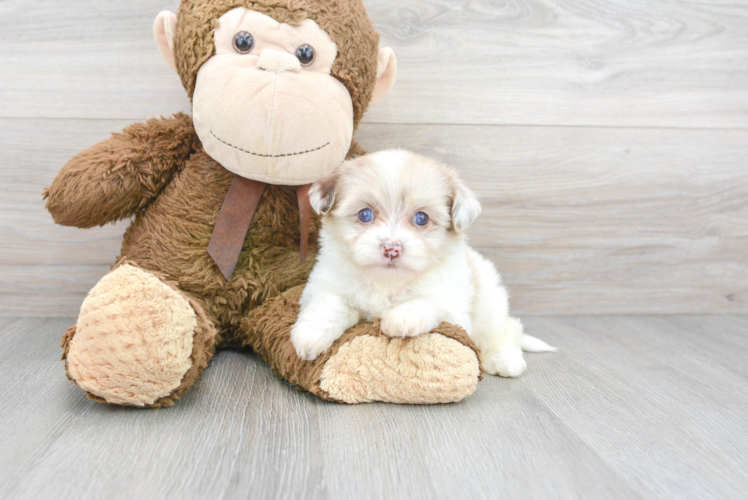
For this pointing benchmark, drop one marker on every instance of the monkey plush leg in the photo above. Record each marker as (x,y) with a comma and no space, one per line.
(364,365)
(138,341)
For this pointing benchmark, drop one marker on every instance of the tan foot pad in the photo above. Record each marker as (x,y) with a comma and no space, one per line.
(133,339)
(426,369)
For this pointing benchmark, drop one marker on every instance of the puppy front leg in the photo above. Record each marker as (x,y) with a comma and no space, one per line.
(501,349)
(410,319)
(322,321)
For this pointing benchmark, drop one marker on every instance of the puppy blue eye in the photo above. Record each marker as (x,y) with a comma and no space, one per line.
(421,219)
(366,215)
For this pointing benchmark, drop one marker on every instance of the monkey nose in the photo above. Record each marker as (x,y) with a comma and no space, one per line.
(392,250)
(275,60)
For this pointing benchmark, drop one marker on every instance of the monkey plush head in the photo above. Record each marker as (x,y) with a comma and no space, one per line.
(277,86)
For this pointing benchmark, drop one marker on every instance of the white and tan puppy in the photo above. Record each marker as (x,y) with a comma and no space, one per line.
(392,247)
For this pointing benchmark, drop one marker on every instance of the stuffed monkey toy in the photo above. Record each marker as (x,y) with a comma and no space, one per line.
(222,237)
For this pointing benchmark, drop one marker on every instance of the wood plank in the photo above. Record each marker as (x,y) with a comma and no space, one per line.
(242,431)
(578,220)
(32,383)
(536,62)
(28,236)
(499,443)
(667,415)
(699,335)
(598,220)
(554,62)
(631,407)
(6,321)
(47,290)
(101,61)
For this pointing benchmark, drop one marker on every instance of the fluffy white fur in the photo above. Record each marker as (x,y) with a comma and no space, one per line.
(412,277)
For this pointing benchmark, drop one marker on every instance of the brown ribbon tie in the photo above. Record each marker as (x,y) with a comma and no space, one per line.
(236,215)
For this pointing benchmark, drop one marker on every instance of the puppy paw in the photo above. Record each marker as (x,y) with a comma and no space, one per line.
(406,324)
(506,363)
(311,340)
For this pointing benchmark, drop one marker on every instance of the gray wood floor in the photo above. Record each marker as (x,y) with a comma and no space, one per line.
(631,407)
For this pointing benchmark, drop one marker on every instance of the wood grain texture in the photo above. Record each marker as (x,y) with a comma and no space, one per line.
(47,290)
(631,407)
(589,219)
(537,62)
(657,391)
(578,220)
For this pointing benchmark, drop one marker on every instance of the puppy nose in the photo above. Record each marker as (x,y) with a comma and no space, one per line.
(275,60)
(392,250)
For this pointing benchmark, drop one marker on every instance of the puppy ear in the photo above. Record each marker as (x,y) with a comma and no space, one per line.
(322,193)
(465,207)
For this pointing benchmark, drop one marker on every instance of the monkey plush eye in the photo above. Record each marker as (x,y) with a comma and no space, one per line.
(305,54)
(244,42)
(421,219)
(366,215)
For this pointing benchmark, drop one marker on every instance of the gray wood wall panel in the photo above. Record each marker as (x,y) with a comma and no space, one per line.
(578,220)
(608,140)
(547,62)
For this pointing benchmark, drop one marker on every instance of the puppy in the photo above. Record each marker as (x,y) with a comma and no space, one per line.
(392,247)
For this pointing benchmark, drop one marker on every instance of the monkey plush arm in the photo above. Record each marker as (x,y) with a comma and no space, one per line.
(120,176)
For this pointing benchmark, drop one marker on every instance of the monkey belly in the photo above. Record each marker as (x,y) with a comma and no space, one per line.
(172,234)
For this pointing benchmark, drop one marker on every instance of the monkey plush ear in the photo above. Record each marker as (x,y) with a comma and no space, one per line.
(465,207)
(164,28)
(386,73)
(322,193)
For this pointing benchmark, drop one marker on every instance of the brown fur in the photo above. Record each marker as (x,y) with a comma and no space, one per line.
(268,329)
(158,172)
(345,21)
(170,239)
(203,347)
(120,176)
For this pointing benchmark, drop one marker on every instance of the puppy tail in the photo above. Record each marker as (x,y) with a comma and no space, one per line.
(533,344)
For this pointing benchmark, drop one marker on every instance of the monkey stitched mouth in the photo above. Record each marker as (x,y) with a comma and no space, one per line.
(269,156)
